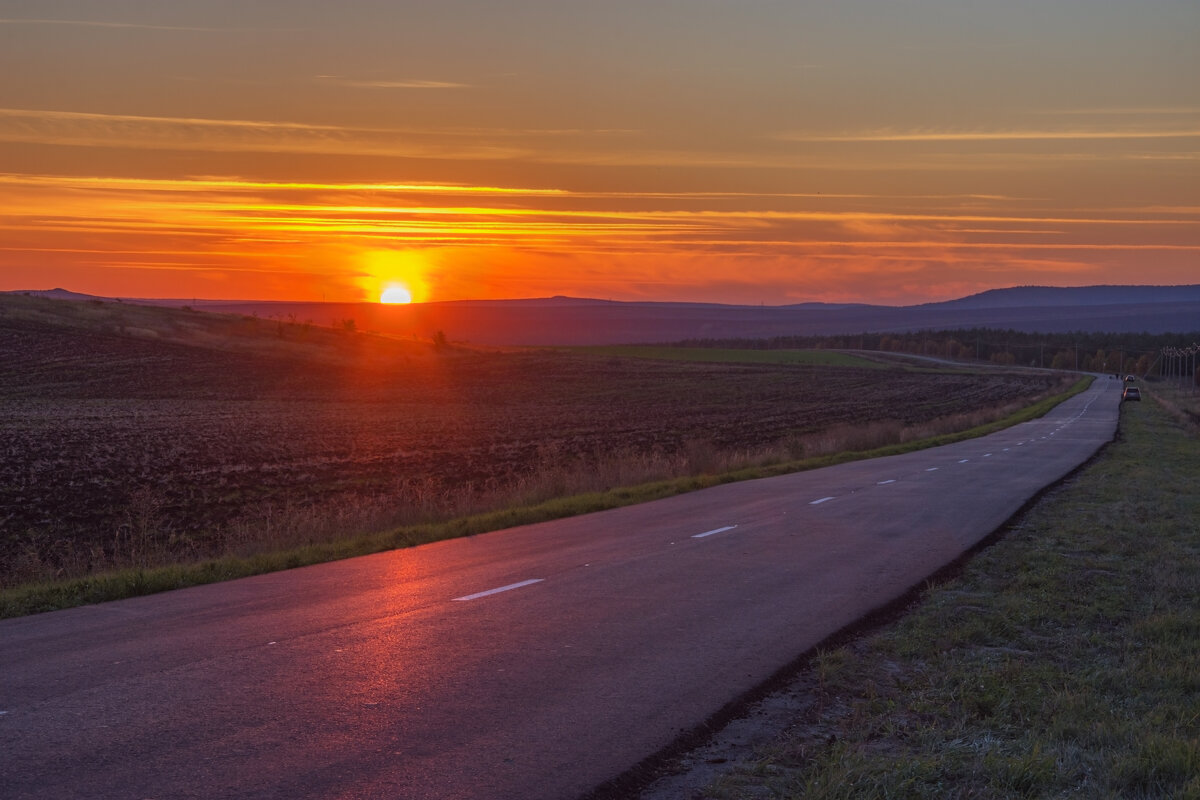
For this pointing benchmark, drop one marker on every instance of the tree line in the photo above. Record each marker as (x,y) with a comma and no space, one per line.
(1133,353)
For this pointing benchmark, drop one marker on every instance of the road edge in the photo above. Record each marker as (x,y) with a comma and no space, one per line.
(663,764)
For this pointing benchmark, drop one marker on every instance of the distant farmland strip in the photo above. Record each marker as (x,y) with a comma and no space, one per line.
(811,358)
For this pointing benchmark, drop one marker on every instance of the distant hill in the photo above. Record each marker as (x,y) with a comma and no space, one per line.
(583,321)
(1040,296)
(58,294)
(79,319)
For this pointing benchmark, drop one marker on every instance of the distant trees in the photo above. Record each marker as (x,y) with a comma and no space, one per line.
(1003,357)
(1064,359)
(1099,352)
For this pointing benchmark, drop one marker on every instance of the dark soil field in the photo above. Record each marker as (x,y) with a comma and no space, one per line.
(113,432)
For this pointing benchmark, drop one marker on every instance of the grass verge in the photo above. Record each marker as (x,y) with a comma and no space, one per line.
(118,584)
(1060,662)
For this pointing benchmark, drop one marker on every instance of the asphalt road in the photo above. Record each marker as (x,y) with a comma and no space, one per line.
(530,663)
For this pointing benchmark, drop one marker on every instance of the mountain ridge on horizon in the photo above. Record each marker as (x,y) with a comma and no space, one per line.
(565,321)
(1005,297)
(1097,295)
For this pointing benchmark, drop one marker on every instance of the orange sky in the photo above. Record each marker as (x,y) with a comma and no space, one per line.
(753,152)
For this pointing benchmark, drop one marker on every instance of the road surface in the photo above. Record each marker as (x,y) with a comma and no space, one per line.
(536,662)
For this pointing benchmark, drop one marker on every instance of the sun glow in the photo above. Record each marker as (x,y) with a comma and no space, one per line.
(396,277)
(396,294)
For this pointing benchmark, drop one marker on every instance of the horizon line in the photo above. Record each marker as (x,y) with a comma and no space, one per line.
(578,299)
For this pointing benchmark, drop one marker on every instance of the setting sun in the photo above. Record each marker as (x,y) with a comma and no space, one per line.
(396,294)
(395,277)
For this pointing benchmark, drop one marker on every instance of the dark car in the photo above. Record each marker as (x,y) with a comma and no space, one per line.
(1131,393)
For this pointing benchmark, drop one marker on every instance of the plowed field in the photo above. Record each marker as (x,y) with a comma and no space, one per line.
(97,428)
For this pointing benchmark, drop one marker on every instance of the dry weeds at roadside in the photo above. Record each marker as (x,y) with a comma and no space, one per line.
(105,471)
(146,536)
(1181,402)
(873,435)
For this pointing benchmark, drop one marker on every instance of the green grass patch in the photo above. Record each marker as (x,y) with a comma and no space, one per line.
(49,596)
(809,358)
(1061,662)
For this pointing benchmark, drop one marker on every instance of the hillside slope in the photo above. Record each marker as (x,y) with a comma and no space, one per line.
(581,321)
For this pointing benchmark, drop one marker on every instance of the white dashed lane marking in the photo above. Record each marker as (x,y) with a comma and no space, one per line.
(500,589)
(715,530)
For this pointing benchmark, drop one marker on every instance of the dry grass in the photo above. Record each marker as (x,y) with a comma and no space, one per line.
(147,555)
(145,538)
(1180,401)
(874,435)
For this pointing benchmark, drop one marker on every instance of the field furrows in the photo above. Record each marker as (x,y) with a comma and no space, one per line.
(102,435)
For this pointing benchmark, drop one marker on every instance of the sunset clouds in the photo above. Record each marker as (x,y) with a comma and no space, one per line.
(635,151)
